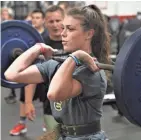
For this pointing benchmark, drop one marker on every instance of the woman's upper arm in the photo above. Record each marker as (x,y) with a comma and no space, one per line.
(76,88)
(90,81)
(30,75)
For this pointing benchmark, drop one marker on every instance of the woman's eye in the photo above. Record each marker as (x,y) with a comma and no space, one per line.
(70,29)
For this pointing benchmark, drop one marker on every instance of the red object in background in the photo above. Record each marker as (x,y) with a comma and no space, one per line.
(123,17)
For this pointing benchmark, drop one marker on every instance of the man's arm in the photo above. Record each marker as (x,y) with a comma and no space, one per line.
(20,70)
(29,92)
(29,107)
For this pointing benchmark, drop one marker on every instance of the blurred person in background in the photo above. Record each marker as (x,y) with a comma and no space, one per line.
(65,5)
(38,19)
(8,14)
(54,16)
(53,22)
(28,18)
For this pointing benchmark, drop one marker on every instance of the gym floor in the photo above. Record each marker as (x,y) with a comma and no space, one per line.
(116,127)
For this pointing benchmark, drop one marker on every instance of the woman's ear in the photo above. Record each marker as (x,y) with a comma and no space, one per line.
(89,34)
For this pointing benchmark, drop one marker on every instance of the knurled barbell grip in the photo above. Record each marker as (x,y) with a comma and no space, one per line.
(19,51)
(60,53)
(105,66)
(100,65)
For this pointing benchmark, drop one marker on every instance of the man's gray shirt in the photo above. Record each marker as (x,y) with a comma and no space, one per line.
(84,108)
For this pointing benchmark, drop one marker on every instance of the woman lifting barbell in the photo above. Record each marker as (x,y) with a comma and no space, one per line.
(75,92)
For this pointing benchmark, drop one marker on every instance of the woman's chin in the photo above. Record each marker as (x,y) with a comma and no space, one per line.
(66,49)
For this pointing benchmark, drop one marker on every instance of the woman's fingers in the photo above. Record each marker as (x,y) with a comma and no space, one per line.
(94,67)
(94,59)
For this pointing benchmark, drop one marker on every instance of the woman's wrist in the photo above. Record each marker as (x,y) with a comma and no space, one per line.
(76,54)
(42,49)
(38,47)
(76,60)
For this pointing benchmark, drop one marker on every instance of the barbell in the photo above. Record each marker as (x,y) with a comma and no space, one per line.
(18,36)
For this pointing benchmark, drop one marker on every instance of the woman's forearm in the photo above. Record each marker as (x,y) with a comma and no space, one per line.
(23,61)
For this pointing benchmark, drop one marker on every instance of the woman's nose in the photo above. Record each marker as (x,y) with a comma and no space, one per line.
(64,34)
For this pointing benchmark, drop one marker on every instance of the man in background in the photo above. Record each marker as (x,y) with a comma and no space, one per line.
(54,16)
(38,19)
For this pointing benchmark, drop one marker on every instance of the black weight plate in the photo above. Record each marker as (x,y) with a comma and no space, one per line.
(127,78)
(15,34)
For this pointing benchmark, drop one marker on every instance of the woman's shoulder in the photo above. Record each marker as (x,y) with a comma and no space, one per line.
(48,64)
(84,72)
(51,61)
(84,69)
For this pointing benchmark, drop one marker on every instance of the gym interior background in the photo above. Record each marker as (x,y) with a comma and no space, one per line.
(124,18)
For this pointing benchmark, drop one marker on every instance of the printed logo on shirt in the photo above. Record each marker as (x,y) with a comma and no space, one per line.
(58,106)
